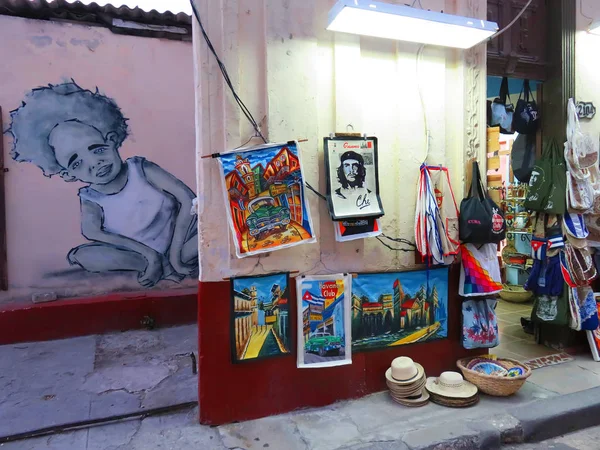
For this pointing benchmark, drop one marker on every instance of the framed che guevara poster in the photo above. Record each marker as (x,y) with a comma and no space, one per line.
(352,177)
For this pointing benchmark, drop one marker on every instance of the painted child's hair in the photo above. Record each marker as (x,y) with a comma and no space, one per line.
(46,107)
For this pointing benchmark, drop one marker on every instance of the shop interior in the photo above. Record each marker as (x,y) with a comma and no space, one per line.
(507,186)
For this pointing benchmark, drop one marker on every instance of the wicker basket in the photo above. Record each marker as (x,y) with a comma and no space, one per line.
(493,385)
(515,294)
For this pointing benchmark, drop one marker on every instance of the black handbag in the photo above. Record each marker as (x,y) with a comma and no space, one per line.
(522,157)
(526,115)
(481,220)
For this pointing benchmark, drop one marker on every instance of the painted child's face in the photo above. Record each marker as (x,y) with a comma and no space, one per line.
(84,153)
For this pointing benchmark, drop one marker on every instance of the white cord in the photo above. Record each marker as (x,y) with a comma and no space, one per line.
(512,22)
(423,108)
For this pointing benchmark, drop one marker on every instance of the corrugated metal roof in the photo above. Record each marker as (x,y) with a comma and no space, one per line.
(91,13)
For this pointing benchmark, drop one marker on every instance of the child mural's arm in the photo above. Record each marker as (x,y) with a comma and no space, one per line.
(162,179)
(150,270)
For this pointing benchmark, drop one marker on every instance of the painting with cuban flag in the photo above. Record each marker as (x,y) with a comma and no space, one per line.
(324,333)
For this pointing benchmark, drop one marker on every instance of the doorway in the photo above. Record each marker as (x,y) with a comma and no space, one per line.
(510,156)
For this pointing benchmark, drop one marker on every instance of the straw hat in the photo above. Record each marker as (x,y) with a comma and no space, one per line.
(451,385)
(404,371)
(420,399)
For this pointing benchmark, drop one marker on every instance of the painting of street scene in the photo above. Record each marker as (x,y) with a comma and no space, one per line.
(390,309)
(260,318)
(265,198)
(323,326)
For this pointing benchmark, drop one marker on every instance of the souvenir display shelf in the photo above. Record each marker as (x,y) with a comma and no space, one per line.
(516,255)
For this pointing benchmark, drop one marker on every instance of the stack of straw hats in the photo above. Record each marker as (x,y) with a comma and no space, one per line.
(406,380)
(451,389)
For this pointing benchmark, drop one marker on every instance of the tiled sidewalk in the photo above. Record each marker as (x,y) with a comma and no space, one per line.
(514,342)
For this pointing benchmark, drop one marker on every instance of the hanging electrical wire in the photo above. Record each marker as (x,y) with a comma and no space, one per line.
(314,191)
(406,250)
(421,98)
(512,22)
(228,81)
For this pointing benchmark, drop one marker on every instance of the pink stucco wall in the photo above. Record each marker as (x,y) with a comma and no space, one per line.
(151,80)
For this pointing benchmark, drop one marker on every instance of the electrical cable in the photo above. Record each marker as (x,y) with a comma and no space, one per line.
(394,249)
(423,108)
(400,240)
(56,429)
(228,81)
(251,137)
(317,193)
(495,35)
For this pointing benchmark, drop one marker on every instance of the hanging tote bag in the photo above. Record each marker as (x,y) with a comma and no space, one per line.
(552,309)
(522,157)
(581,157)
(479,271)
(480,324)
(583,297)
(502,114)
(481,220)
(557,200)
(548,183)
(526,116)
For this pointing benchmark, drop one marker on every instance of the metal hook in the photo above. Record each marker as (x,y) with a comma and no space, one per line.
(350,125)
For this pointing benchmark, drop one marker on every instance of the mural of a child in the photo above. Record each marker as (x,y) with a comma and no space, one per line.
(136,215)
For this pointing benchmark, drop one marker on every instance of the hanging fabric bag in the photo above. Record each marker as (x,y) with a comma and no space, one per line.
(580,265)
(479,271)
(526,116)
(575,312)
(548,182)
(581,156)
(552,309)
(583,297)
(557,201)
(502,114)
(436,216)
(481,220)
(522,157)
(480,324)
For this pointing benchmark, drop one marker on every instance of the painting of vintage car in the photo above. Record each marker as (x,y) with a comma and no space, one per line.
(323,344)
(265,216)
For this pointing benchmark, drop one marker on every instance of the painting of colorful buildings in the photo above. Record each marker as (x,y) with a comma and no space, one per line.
(323,312)
(260,317)
(390,309)
(266,199)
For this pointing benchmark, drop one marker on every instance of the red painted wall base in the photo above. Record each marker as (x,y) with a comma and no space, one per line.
(235,392)
(79,317)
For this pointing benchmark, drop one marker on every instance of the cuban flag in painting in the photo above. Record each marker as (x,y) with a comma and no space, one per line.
(313,299)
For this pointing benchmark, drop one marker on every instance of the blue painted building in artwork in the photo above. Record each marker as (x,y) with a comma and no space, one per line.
(333,319)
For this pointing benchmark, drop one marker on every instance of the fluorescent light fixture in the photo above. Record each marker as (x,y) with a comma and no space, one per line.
(405,23)
(595,27)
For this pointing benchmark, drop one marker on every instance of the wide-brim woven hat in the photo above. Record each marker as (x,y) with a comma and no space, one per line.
(420,399)
(451,385)
(404,371)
